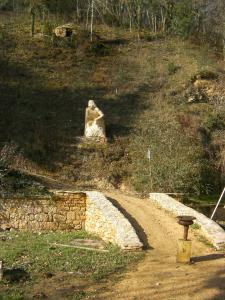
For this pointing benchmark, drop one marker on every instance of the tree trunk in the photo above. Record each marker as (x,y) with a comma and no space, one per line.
(92,19)
(32,22)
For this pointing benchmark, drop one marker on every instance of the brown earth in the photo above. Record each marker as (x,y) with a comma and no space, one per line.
(158,276)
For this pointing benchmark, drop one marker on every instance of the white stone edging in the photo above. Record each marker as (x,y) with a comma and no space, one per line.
(104,219)
(210,229)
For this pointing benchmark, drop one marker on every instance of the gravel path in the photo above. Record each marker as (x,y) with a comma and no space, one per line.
(158,276)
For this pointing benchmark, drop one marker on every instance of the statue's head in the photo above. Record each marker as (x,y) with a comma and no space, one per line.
(91,104)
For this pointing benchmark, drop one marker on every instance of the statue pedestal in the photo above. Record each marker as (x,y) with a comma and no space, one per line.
(88,143)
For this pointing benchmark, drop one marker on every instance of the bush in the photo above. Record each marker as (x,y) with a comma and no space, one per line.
(178,163)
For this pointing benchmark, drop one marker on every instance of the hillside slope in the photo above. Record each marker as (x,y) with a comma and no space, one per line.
(165,94)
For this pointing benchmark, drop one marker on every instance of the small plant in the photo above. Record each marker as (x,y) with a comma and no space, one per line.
(195,226)
(205,241)
(172,68)
(214,122)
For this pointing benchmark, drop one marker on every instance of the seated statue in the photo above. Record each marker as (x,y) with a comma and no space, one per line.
(94,122)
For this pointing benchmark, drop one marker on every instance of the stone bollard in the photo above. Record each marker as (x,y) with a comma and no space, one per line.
(1,270)
(184,251)
(184,245)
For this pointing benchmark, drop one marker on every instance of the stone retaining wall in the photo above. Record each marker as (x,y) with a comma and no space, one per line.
(210,229)
(63,212)
(70,210)
(104,219)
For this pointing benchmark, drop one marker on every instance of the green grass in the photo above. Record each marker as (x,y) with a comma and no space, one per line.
(195,226)
(32,256)
(203,240)
(204,199)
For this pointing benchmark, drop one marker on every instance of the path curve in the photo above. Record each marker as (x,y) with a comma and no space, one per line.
(158,276)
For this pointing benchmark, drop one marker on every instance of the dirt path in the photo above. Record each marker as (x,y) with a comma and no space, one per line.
(158,276)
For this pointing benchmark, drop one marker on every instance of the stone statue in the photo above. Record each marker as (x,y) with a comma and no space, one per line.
(94,122)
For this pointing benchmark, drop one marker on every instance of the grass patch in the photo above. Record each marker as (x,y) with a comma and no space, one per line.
(172,68)
(203,199)
(195,226)
(29,257)
(203,240)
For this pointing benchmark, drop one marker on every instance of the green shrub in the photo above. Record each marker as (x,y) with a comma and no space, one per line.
(195,226)
(178,163)
(214,122)
(172,68)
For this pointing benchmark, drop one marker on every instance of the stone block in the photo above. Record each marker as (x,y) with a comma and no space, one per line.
(31,217)
(78,227)
(22,225)
(38,209)
(50,218)
(50,209)
(59,218)
(76,222)
(42,217)
(64,226)
(71,216)
(52,226)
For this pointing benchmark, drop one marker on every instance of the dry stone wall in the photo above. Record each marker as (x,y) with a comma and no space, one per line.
(70,210)
(65,211)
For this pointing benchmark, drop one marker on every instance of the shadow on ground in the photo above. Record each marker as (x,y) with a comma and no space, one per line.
(16,275)
(217,282)
(207,257)
(138,228)
(44,121)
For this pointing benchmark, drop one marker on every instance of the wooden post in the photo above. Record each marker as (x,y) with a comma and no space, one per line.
(92,19)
